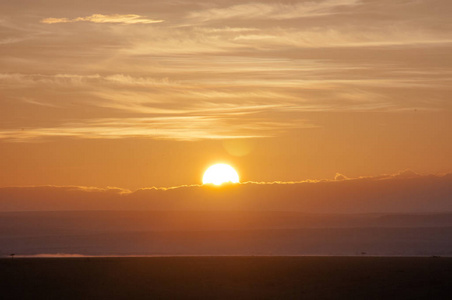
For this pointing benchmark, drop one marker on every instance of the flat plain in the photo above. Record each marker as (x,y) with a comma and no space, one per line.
(305,277)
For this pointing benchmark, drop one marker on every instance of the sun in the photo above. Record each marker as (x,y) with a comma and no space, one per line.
(219,174)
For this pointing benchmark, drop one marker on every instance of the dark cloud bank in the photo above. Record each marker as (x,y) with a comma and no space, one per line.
(402,193)
(403,214)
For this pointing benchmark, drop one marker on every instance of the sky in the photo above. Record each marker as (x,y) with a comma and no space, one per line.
(139,94)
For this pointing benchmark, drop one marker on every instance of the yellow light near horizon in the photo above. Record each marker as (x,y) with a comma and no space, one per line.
(219,174)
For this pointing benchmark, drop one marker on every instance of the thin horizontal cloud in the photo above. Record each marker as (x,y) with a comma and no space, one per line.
(182,128)
(20,80)
(277,11)
(405,192)
(99,18)
(227,29)
(8,41)
(343,36)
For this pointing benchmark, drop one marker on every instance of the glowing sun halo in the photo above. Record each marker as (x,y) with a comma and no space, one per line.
(219,174)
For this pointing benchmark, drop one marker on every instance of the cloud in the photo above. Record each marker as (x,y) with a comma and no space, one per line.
(406,174)
(383,215)
(99,18)
(181,128)
(340,177)
(381,194)
(211,59)
(343,37)
(11,40)
(227,29)
(65,80)
(277,11)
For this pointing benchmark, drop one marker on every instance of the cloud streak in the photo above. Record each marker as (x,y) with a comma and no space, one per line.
(99,18)
(277,11)
(181,128)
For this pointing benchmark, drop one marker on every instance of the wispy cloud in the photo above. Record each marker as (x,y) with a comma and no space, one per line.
(182,128)
(279,60)
(277,11)
(99,18)
(342,37)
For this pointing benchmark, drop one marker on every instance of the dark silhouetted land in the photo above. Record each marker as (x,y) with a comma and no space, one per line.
(227,278)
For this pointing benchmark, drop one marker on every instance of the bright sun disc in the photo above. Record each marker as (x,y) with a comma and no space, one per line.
(220,173)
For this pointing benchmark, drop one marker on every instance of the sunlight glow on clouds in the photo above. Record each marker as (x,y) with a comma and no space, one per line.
(277,11)
(207,60)
(99,18)
(380,194)
(182,128)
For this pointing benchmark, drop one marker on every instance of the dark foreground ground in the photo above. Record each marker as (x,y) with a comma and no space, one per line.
(227,278)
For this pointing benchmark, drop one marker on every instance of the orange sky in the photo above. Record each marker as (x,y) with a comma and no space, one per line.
(141,93)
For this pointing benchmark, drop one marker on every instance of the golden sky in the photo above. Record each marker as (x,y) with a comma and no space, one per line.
(139,93)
